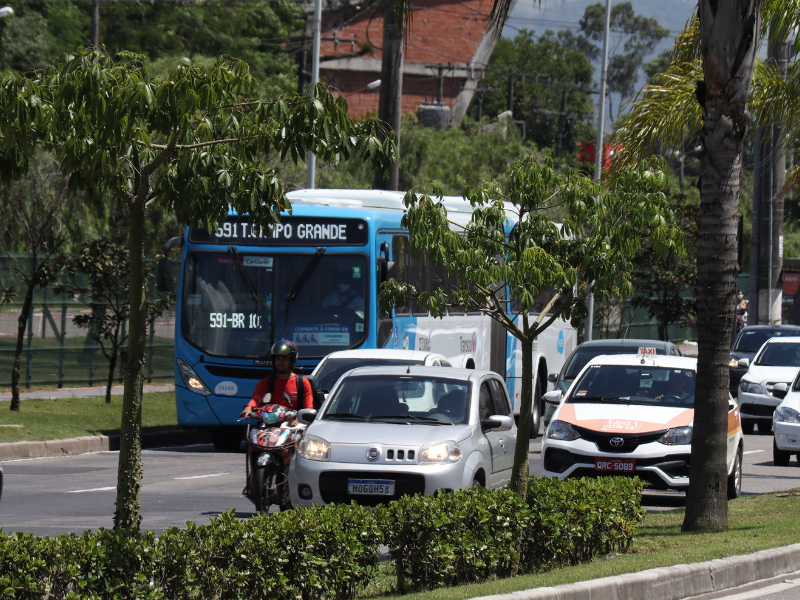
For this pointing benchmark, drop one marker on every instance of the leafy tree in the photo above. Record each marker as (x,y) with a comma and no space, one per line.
(37,213)
(107,267)
(190,143)
(527,273)
(547,71)
(639,37)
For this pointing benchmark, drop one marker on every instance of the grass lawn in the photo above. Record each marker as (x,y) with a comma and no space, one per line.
(756,523)
(73,417)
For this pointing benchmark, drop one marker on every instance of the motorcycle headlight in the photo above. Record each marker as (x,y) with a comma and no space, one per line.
(192,379)
(787,415)
(314,448)
(677,436)
(440,453)
(750,387)
(560,430)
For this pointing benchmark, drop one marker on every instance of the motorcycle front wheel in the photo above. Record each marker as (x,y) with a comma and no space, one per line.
(262,481)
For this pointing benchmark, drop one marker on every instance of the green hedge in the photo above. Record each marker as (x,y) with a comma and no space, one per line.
(331,552)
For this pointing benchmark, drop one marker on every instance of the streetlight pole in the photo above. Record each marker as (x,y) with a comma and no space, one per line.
(312,159)
(6,11)
(598,158)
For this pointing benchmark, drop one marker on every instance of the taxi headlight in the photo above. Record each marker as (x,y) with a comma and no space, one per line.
(677,436)
(560,430)
(750,387)
(192,379)
(787,415)
(734,362)
(314,448)
(440,453)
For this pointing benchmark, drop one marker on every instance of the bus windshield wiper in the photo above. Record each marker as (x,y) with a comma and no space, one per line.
(305,275)
(251,291)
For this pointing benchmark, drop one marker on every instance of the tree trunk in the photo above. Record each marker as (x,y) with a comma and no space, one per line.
(729,38)
(22,323)
(112,364)
(519,474)
(129,477)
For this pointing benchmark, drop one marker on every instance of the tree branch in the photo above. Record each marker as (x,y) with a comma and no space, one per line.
(190,146)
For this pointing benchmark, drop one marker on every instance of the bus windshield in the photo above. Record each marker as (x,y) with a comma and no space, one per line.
(239,310)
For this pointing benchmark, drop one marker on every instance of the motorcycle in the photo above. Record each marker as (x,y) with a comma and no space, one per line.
(270,448)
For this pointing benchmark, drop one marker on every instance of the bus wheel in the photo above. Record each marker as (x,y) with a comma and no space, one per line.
(536,409)
(227,439)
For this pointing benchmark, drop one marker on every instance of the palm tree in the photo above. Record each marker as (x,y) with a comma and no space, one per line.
(707,88)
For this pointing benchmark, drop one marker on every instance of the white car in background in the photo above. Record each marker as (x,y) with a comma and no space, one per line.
(786,424)
(336,364)
(385,432)
(633,415)
(777,362)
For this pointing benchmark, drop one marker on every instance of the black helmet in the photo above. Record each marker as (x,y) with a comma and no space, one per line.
(284,348)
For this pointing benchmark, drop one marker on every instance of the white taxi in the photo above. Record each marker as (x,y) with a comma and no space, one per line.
(633,415)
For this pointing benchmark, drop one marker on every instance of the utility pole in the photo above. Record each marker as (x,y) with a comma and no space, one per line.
(302,58)
(389,107)
(312,159)
(511,94)
(598,159)
(95,33)
(562,122)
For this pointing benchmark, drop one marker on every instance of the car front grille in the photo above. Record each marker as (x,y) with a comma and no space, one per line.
(629,441)
(757,410)
(333,486)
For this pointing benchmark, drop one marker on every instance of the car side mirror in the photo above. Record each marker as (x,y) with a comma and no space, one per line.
(552,377)
(744,362)
(780,389)
(307,415)
(553,397)
(497,423)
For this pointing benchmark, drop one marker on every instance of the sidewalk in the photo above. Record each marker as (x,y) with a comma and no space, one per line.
(81,392)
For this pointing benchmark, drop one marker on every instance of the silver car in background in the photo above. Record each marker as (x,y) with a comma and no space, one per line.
(388,431)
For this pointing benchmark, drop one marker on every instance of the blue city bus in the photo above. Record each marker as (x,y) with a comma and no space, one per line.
(240,290)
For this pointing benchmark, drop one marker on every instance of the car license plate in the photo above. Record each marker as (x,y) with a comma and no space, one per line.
(615,465)
(370,487)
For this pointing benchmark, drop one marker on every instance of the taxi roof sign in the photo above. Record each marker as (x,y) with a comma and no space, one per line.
(646,352)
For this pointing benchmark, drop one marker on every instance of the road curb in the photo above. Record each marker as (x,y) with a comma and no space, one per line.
(673,583)
(98,443)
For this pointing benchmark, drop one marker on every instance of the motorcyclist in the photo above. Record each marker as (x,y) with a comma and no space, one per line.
(284,356)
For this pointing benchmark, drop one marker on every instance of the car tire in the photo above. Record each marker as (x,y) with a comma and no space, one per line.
(536,409)
(735,478)
(765,427)
(748,427)
(780,458)
(477,482)
(227,439)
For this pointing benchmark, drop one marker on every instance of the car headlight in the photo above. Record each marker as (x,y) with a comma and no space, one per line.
(734,362)
(560,430)
(440,453)
(750,387)
(784,414)
(312,447)
(677,436)
(192,379)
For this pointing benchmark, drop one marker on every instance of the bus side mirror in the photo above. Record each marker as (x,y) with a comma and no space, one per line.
(388,269)
(164,270)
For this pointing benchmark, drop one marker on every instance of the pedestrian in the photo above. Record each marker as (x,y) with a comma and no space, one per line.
(741,311)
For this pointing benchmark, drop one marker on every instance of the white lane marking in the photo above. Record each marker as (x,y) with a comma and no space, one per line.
(202,476)
(775,588)
(102,489)
(752,451)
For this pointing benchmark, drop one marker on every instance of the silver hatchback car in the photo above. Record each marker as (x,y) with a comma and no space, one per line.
(388,431)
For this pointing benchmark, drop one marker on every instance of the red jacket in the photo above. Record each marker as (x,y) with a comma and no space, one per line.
(288,386)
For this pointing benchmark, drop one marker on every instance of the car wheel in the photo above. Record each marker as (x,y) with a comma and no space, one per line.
(779,457)
(227,439)
(735,478)
(477,482)
(765,427)
(748,427)
(536,409)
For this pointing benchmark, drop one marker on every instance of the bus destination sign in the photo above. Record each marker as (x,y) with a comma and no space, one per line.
(291,231)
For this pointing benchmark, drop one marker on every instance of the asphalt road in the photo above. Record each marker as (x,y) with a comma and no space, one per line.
(49,496)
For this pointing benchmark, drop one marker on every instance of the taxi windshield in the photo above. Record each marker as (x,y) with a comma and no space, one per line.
(640,384)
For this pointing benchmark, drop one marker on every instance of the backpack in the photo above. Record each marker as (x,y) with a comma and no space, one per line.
(316,395)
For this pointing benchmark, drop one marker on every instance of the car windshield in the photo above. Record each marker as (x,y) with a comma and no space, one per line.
(779,355)
(332,369)
(750,340)
(238,304)
(619,384)
(582,356)
(400,399)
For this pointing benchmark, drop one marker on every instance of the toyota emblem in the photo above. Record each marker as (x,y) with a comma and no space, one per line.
(617,442)
(373,454)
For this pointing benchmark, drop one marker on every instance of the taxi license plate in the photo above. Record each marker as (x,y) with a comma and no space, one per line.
(370,487)
(615,465)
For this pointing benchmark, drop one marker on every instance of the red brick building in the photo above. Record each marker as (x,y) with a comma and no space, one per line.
(448,40)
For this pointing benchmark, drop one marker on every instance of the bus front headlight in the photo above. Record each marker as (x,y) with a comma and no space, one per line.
(192,379)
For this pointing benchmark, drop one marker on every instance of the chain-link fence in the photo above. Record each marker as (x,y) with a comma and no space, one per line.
(58,352)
